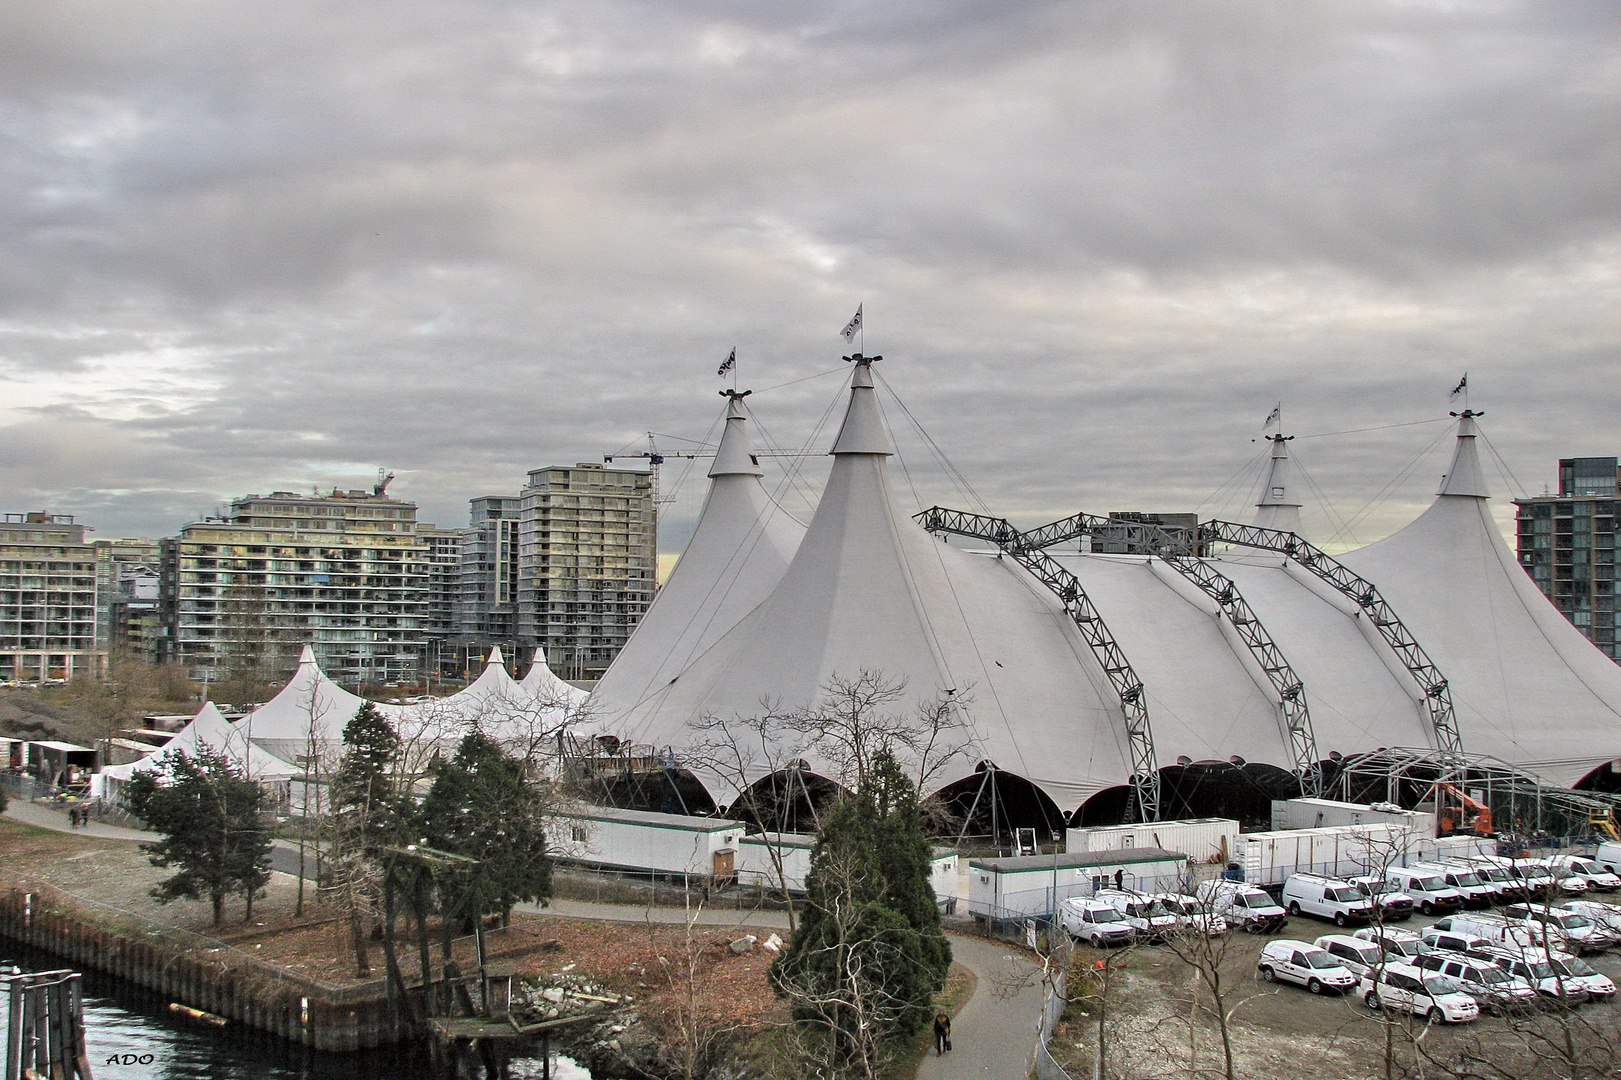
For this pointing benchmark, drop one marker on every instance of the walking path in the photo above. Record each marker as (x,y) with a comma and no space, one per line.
(994,1034)
(43,816)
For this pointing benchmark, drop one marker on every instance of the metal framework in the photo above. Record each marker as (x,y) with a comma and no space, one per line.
(1178,549)
(1145,780)
(1361,592)
(1521,804)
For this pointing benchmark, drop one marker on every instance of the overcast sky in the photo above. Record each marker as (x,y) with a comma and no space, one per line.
(250,246)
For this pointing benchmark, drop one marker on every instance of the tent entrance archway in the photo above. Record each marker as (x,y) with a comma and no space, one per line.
(986,809)
(1233,789)
(791,800)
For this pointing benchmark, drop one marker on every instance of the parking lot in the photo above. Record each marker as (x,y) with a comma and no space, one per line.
(1281,1030)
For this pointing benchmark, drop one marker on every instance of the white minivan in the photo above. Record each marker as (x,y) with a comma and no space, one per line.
(1326,898)
(1437,998)
(1608,857)
(1358,956)
(1244,905)
(1305,965)
(1144,914)
(1598,879)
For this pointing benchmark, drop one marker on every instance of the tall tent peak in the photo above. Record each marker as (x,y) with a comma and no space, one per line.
(1277,507)
(863,430)
(307,656)
(495,659)
(735,455)
(1466,478)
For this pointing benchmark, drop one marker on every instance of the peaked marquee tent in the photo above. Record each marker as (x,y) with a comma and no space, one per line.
(868,590)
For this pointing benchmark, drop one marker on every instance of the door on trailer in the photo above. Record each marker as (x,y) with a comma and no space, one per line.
(725,866)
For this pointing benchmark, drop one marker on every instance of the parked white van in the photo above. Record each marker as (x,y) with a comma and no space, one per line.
(1492,928)
(1243,905)
(1326,898)
(1396,905)
(1510,887)
(1476,892)
(1358,956)
(1608,857)
(1555,975)
(1437,998)
(1432,894)
(1191,914)
(1607,916)
(1143,914)
(1597,878)
(1401,945)
(1562,928)
(1094,922)
(1305,965)
(1482,980)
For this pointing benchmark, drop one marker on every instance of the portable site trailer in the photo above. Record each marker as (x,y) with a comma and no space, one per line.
(1204,839)
(1326,813)
(756,867)
(1268,858)
(62,764)
(651,843)
(1029,885)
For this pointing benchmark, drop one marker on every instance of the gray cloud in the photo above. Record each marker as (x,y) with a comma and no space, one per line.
(276,245)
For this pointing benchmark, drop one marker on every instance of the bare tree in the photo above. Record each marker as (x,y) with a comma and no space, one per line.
(856,719)
(692,1023)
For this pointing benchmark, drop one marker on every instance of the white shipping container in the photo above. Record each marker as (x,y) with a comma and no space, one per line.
(1204,840)
(648,842)
(1268,858)
(1327,813)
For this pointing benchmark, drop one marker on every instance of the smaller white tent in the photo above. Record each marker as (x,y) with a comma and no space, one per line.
(209,728)
(541,683)
(311,708)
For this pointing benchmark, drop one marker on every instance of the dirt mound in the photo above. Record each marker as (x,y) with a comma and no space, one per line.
(24,716)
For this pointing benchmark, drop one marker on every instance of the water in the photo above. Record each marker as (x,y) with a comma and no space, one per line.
(132,1035)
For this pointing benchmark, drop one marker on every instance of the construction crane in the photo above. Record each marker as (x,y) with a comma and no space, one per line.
(1467,815)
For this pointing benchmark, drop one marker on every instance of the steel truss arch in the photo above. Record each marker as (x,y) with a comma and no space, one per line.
(1145,778)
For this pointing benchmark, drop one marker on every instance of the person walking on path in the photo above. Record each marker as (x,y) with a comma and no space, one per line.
(942,1032)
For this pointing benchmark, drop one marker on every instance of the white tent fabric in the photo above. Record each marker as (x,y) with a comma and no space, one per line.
(739,550)
(541,683)
(869,590)
(1527,687)
(210,728)
(310,705)
(1278,507)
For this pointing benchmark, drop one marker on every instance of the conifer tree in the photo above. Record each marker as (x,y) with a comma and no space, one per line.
(211,818)
(869,952)
(483,805)
(367,814)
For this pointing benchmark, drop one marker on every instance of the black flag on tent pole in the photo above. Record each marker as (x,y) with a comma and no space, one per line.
(731,362)
(1463,384)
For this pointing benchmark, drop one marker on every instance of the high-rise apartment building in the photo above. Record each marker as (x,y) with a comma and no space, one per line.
(1567,544)
(444,562)
(587,563)
(346,573)
(487,589)
(48,600)
(129,615)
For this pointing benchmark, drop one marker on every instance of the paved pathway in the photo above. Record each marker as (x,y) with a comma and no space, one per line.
(44,816)
(994,1034)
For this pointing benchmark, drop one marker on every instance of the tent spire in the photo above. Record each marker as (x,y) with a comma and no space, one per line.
(863,430)
(1466,478)
(735,456)
(1277,508)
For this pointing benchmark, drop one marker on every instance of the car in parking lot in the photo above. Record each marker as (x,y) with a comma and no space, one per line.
(1454,940)
(1394,905)
(1481,979)
(1304,964)
(1326,898)
(1433,895)
(1435,997)
(1605,915)
(1398,944)
(1358,956)
(1243,905)
(1144,914)
(1191,914)
(1562,928)
(1598,879)
(1094,922)
(1556,976)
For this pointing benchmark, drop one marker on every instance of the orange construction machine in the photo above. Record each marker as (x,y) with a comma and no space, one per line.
(1460,813)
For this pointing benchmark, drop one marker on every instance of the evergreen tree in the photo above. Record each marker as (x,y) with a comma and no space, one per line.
(483,805)
(367,815)
(869,952)
(212,821)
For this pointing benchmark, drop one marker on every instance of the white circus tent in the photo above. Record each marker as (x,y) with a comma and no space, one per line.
(739,549)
